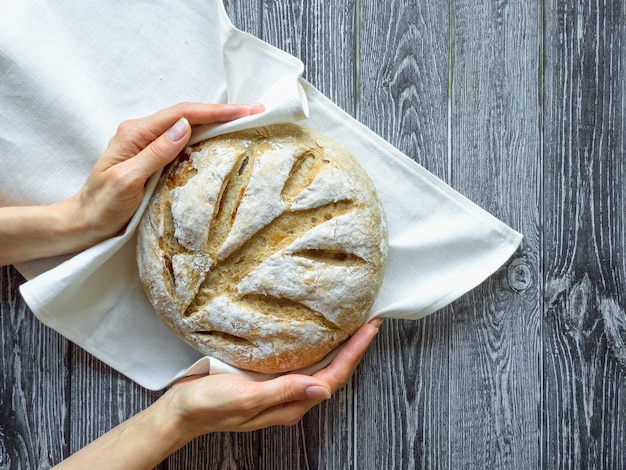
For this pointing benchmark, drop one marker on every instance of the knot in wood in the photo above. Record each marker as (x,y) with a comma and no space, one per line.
(520,277)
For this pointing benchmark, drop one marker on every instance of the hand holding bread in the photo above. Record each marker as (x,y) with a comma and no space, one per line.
(114,188)
(226,402)
(140,147)
(218,403)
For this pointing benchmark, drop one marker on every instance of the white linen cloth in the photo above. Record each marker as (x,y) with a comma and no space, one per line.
(70,72)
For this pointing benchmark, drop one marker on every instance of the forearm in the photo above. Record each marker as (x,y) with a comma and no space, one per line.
(141,442)
(34,232)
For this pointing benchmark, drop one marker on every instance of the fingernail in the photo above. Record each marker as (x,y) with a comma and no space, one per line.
(376,322)
(178,130)
(256,108)
(316,392)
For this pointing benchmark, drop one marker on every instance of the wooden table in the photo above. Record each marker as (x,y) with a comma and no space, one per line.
(519,105)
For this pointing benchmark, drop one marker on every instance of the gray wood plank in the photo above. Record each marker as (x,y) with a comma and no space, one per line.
(495,358)
(100,398)
(403,77)
(34,383)
(585,329)
(322,34)
(401,418)
(402,393)
(246,15)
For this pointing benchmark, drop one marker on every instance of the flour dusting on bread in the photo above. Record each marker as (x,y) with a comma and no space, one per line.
(264,248)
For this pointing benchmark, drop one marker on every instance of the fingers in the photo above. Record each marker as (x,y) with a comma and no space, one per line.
(336,375)
(231,402)
(198,113)
(281,415)
(162,150)
(288,398)
(141,132)
(289,388)
(146,145)
(338,372)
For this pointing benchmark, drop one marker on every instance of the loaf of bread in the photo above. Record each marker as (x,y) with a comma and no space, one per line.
(264,248)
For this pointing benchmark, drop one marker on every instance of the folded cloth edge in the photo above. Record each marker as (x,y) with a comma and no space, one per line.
(515,240)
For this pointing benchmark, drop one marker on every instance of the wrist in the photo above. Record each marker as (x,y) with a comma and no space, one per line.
(167,424)
(68,228)
(75,225)
(143,441)
(31,232)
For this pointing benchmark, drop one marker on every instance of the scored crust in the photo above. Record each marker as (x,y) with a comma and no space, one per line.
(264,248)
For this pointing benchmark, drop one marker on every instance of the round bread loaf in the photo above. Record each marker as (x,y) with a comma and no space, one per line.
(264,248)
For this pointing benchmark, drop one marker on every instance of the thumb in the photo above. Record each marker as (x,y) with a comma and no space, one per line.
(289,388)
(163,149)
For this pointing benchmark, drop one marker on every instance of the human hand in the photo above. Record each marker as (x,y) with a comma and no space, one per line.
(228,402)
(114,188)
(214,403)
(116,184)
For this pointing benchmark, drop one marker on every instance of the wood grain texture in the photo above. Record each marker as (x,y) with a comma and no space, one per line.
(322,35)
(246,15)
(584,417)
(34,384)
(496,344)
(402,395)
(403,77)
